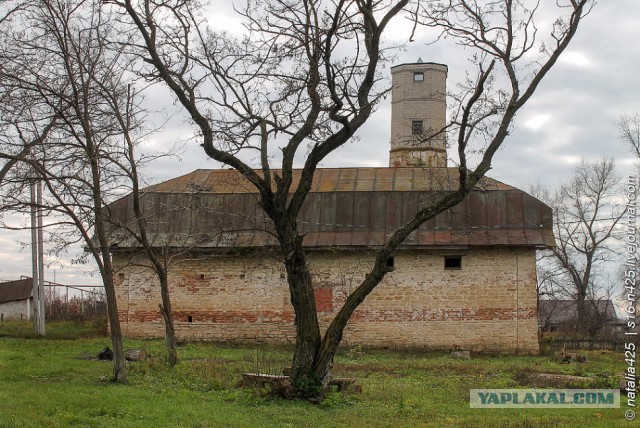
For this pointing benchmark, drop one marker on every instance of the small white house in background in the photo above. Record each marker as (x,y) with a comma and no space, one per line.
(16,303)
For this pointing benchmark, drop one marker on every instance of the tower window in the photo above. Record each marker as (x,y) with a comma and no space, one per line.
(416,127)
(418,76)
(453,262)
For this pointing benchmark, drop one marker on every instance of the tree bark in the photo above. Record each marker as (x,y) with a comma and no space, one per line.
(170,333)
(119,368)
(304,380)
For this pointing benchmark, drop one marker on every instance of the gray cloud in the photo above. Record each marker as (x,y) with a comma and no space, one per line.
(581,100)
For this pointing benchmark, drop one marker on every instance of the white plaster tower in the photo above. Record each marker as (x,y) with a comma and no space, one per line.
(418,115)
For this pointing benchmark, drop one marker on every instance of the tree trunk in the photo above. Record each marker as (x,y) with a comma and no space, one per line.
(119,368)
(170,334)
(304,380)
(583,322)
(334,333)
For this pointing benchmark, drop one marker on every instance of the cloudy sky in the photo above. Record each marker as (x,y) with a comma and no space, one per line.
(572,116)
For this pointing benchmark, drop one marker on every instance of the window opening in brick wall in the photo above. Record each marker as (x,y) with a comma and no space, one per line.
(418,76)
(416,127)
(391,263)
(201,276)
(453,262)
(189,318)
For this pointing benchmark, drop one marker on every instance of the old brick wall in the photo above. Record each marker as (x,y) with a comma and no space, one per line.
(488,304)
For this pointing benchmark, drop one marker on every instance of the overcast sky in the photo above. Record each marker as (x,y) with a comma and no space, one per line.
(572,116)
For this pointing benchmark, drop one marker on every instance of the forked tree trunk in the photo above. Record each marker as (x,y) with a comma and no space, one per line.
(314,354)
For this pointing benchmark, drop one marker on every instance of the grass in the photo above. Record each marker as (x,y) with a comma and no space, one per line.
(43,383)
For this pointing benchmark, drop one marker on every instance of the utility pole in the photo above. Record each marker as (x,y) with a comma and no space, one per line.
(41,295)
(37,258)
(34,257)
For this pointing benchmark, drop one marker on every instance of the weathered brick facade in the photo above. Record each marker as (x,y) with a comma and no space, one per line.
(489,304)
(486,303)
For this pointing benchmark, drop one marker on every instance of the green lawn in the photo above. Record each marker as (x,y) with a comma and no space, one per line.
(47,383)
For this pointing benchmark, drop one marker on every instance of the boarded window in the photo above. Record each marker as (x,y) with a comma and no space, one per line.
(324,299)
(416,127)
(453,262)
(418,76)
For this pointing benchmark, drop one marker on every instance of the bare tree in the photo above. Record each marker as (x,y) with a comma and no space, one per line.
(66,59)
(629,131)
(26,119)
(95,105)
(585,220)
(306,76)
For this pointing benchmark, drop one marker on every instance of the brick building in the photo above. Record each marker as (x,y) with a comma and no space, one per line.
(466,278)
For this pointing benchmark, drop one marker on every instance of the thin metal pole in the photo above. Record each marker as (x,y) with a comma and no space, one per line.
(34,257)
(41,295)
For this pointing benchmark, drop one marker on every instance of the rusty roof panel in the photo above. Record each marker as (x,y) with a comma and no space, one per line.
(409,206)
(360,237)
(443,220)
(479,235)
(309,212)
(179,212)
(496,215)
(460,237)
(377,211)
(496,208)
(329,180)
(425,235)
(394,206)
(361,210)
(442,237)
(498,236)
(515,210)
(344,211)
(403,180)
(366,180)
(328,208)
(459,217)
(384,180)
(476,209)
(348,180)
(531,210)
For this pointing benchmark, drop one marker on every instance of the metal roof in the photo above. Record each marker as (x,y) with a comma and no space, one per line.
(328,180)
(16,290)
(347,207)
